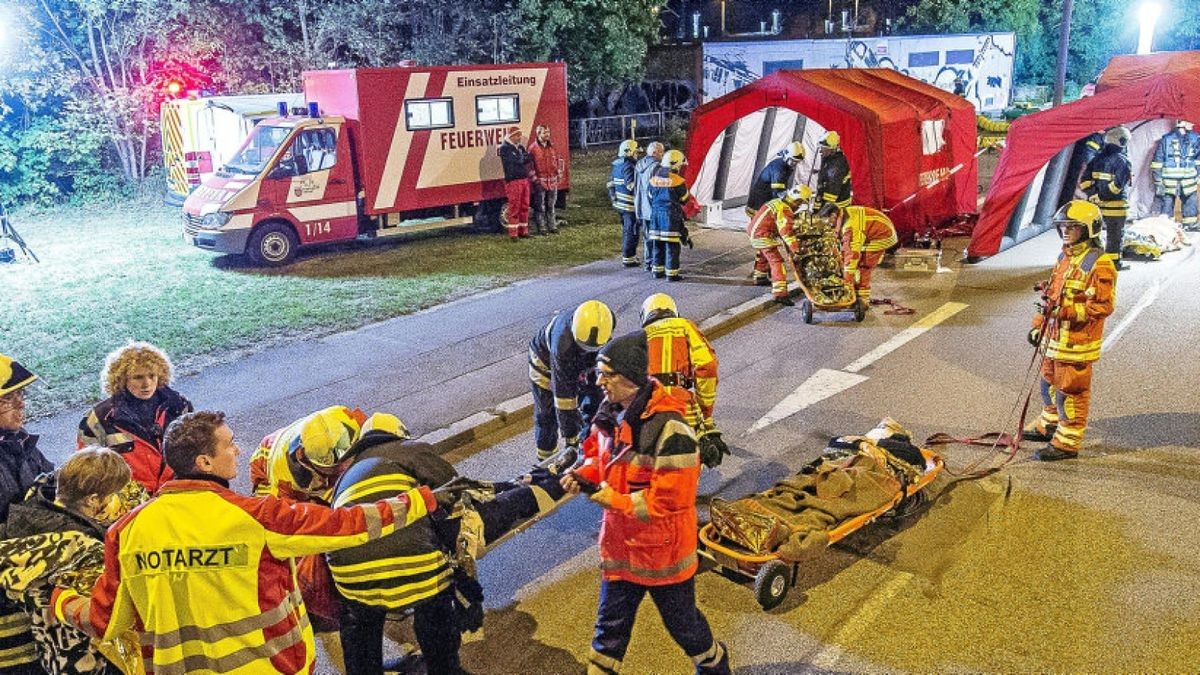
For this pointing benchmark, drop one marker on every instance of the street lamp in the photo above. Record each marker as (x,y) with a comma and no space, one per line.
(1148,14)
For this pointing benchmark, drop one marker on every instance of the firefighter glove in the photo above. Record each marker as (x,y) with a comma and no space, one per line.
(603,496)
(1034,337)
(685,237)
(712,449)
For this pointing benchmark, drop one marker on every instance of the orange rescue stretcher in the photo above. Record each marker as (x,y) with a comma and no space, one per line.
(773,577)
(817,268)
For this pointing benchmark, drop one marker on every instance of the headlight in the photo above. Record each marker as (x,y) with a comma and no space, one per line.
(217,219)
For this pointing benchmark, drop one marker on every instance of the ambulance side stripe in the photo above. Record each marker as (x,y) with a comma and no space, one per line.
(398,152)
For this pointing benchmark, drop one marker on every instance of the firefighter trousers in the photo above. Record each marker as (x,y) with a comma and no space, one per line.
(1114,235)
(647,245)
(769,262)
(434,623)
(629,238)
(666,258)
(545,218)
(676,604)
(545,417)
(860,276)
(1066,391)
(1187,208)
(516,211)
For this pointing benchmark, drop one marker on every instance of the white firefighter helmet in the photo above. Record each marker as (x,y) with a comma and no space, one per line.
(656,150)
(1184,124)
(673,160)
(794,152)
(1118,135)
(592,325)
(1079,212)
(628,149)
(798,194)
(658,306)
(831,140)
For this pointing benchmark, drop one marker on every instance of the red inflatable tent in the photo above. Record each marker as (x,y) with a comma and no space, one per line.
(910,145)
(1132,88)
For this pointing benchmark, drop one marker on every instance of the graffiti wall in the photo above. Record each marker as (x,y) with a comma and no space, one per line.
(979,66)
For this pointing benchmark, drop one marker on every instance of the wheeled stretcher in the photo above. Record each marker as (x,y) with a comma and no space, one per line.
(766,536)
(817,266)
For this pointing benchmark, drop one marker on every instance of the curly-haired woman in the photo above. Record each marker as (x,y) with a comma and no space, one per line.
(139,407)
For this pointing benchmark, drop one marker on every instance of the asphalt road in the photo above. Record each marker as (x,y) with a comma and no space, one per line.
(1088,565)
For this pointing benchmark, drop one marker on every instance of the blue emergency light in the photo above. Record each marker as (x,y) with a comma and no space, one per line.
(313,109)
(281,107)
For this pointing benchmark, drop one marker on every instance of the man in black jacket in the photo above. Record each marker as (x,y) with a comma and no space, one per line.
(1105,181)
(20,464)
(515,158)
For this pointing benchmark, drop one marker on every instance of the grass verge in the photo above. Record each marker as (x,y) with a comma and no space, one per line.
(111,274)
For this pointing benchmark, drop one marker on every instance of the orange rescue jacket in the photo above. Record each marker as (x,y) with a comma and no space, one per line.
(1083,283)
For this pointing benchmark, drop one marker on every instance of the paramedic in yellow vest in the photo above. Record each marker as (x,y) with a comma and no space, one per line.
(207,576)
(1070,330)
(770,228)
(866,235)
(684,363)
(300,460)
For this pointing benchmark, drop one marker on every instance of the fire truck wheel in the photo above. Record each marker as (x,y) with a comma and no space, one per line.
(273,244)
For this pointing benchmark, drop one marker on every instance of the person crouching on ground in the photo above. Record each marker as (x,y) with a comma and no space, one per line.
(643,461)
(140,405)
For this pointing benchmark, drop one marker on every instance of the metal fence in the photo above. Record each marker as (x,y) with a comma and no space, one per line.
(591,131)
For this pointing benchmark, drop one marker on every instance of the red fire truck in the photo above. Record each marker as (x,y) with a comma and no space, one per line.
(379,152)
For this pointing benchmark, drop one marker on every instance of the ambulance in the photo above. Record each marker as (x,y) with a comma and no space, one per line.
(200,134)
(379,152)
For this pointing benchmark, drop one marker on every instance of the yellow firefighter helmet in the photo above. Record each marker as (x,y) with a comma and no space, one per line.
(658,306)
(325,436)
(592,325)
(1118,135)
(13,375)
(831,140)
(1079,212)
(798,194)
(385,423)
(628,149)
(673,160)
(794,152)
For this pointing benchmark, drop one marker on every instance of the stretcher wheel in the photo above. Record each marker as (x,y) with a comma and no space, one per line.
(771,584)
(806,310)
(860,312)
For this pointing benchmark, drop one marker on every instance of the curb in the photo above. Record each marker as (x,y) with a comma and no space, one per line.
(518,409)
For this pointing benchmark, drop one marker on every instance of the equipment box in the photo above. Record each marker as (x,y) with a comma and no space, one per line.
(921,260)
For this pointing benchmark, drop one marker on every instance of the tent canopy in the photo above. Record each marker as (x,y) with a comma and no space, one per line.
(910,145)
(1131,88)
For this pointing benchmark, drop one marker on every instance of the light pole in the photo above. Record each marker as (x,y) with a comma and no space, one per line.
(1148,15)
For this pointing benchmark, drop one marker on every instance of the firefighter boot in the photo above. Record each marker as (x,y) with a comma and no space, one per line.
(1039,436)
(785,301)
(1053,454)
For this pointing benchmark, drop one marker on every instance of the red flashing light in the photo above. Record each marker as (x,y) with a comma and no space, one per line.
(174,87)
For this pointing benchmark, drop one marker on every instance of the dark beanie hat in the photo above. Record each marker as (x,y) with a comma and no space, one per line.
(628,355)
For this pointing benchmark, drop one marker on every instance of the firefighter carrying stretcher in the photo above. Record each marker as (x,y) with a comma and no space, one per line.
(867,235)
(770,227)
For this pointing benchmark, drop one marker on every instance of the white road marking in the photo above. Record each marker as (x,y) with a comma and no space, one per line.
(1145,301)
(907,335)
(821,385)
(858,623)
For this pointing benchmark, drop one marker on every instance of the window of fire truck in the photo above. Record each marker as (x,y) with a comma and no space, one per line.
(257,150)
(429,113)
(497,109)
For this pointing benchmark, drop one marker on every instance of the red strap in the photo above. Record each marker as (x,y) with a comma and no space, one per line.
(897,308)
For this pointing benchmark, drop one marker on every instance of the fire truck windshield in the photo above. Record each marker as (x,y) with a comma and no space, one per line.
(258,149)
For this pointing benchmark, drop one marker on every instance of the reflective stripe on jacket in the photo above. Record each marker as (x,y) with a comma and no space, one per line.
(1084,281)
(772,183)
(208,577)
(110,424)
(558,364)
(773,221)
(865,230)
(1174,165)
(648,535)
(833,181)
(1107,179)
(676,347)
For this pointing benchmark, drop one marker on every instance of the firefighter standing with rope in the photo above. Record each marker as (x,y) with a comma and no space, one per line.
(1070,330)
(683,361)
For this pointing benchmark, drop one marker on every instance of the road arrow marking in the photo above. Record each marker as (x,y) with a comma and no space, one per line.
(821,385)
(907,335)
